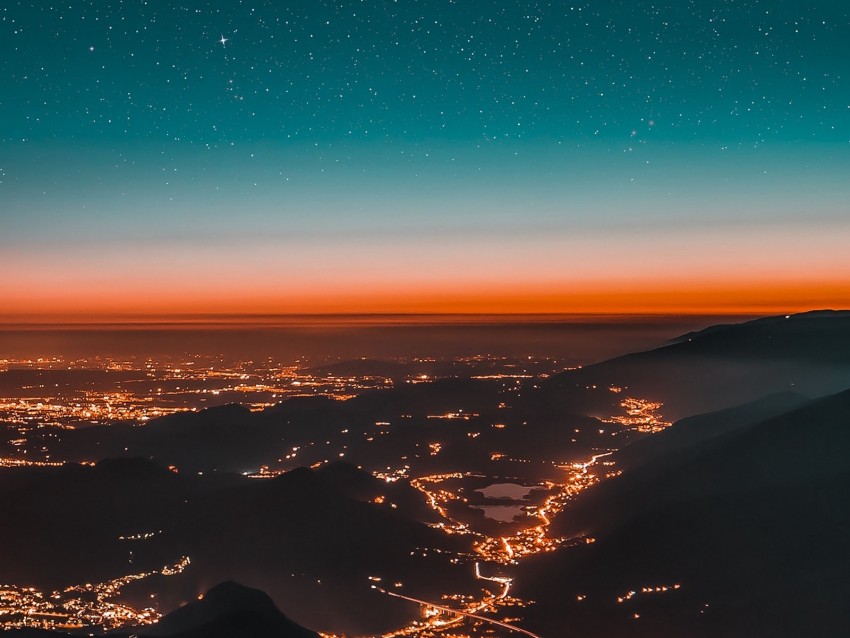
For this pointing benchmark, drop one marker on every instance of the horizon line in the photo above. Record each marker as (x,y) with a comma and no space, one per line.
(321,320)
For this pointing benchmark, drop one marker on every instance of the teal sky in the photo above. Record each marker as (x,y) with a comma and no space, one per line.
(340,127)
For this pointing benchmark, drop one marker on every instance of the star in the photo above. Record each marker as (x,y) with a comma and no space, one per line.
(223,40)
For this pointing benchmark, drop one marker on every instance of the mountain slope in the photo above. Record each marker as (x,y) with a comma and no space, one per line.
(722,366)
(691,431)
(751,525)
(228,609)
(298,537)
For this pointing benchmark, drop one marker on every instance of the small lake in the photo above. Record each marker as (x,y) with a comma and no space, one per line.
(512,491)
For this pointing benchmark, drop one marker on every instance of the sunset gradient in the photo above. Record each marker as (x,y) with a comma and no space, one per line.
(484,161)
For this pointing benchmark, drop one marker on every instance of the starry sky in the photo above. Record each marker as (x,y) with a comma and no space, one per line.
(316,156)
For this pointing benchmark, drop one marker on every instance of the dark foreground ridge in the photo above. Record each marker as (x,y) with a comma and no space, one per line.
(225,611)
(310,538)
(740,534)
(228,609)
(725,365)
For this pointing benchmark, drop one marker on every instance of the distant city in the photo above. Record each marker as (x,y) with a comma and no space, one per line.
(431,489)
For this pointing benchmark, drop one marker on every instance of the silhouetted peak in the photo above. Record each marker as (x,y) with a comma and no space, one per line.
(819,314)
(231,596)
(227,609)
(301,481)
(797,319)
(298,475)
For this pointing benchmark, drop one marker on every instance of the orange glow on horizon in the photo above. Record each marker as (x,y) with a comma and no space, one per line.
(569,298)
(710,272)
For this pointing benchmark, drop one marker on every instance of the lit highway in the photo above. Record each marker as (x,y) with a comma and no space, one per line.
(460,613)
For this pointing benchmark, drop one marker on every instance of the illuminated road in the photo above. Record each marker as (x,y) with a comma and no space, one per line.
(505,550)
(460,613)
(534,539)
(502,580)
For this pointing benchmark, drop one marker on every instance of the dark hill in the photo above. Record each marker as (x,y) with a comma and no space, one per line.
(298,537)
(721,366)
(818,336)
(751,524)
(228,609)
(691,431)
(362,486)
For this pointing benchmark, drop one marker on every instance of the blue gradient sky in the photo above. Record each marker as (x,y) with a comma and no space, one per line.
(421,156)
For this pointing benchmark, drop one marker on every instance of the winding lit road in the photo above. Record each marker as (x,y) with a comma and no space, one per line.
(501,550)
(459,612)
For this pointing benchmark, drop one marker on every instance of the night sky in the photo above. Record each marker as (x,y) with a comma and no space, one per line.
(379,156)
